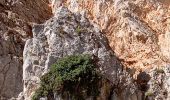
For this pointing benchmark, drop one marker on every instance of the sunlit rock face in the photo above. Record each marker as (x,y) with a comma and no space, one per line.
(137,30)
(65,34)
(137,37)
(16,17)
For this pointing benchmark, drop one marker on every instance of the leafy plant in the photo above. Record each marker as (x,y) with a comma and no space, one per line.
(78,30)
(159,70)
(72,76)
(149,93)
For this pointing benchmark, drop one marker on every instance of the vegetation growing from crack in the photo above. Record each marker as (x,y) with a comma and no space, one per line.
(72,77)
(148,94)
(80,30)
(159,70)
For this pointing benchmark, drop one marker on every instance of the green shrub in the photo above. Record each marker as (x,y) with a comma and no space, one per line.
(159,70)
(79,30)
(74,75)
(149,93)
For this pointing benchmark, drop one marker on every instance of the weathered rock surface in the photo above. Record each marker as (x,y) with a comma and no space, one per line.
(138,30)
(65,34)
(16,17)
(158,87)
(70,33)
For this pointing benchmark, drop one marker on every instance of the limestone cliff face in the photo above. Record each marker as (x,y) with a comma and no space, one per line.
(133,36)
(65,34)
(16,17)
(137,31)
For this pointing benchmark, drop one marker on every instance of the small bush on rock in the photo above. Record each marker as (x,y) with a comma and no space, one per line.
(159,70)
(71,77)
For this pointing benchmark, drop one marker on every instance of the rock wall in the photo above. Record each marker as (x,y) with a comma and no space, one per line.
(65,34)
(138,38)
(16,17)
(59,37)
(137,31)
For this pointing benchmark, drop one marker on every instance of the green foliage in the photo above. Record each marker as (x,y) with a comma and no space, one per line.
(38,93)
(149,93)
(74,75)
(78,30)
(160,70)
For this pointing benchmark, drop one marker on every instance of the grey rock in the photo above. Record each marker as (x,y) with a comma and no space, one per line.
(65,34)
(159,83)
(16,17)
